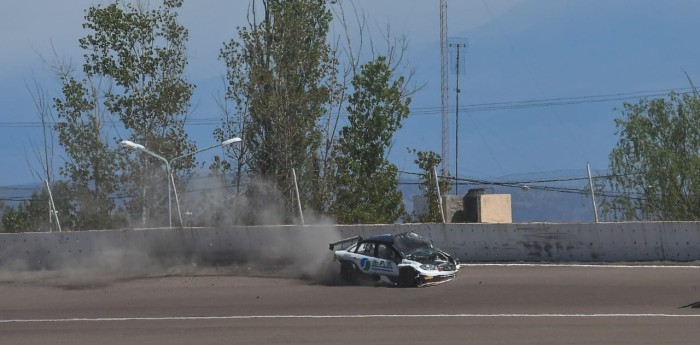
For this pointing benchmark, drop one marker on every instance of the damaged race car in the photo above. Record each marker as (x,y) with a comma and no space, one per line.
(405,259)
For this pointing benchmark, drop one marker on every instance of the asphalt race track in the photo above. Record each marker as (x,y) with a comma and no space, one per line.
(486,304)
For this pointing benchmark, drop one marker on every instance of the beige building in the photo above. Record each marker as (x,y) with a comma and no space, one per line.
(474,207)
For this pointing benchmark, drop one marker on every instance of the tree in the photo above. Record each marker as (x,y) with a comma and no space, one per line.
(655,165)
(140,56)
(426,161)
(15,220)
(34,214)
(4,210)
(367,183)
(91,165)
(45,151)
(280,76)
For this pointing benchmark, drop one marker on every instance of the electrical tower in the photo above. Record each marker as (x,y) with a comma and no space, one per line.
(444,87)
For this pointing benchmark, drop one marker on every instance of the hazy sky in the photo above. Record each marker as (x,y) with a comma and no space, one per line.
(541,83)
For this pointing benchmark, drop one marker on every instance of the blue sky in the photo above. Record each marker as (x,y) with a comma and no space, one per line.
(589,54)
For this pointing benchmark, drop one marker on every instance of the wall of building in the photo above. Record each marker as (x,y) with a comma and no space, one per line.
(471,242)
(495,208)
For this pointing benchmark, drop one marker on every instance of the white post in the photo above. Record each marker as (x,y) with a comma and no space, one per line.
(177,201)
(296,188)
(53,206)
(439,195)
(590,184)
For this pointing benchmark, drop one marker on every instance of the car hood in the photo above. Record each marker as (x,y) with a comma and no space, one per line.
(431,256)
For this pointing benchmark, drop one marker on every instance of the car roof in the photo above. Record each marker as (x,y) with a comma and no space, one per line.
(387,239)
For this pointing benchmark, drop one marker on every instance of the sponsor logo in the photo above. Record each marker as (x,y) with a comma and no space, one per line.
(376,265)
(365,264)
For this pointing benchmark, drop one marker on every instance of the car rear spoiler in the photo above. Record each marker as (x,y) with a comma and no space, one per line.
(351,239)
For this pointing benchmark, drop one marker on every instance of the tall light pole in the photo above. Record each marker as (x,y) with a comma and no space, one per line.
(168,164)
(172,178)
(135,146)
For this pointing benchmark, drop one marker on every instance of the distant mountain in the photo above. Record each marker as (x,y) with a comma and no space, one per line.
(13,195)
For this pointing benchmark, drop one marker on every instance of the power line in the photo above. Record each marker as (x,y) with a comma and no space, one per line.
(437,110)
(531,185)
(562,101)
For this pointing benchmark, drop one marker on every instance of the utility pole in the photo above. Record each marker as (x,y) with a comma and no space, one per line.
(590,184)
(444,88)
(457,45)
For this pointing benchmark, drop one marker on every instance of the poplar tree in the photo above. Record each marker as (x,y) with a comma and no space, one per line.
(280,74)
(134,65)
(367,183)
(655,165)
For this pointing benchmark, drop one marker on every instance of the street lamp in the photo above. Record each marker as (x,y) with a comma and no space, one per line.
(172,178)
(168,164)
(135,146)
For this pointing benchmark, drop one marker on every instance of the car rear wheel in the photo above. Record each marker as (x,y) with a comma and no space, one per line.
(348,271)
(408,277)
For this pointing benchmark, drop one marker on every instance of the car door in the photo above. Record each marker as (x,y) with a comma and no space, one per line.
(377,258)
(384,261)
(364,254)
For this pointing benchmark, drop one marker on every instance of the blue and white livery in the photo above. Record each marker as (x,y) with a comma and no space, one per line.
(406,259)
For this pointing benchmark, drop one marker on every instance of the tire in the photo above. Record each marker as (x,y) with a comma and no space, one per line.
(348,271)
(408,277)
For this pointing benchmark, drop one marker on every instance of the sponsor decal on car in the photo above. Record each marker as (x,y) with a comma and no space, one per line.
(383,265)
(377,265)
(365,264)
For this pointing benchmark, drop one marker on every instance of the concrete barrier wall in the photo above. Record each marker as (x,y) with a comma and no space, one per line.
(602,242)
(584,242)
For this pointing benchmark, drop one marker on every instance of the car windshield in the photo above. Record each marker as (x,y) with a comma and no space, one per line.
(423,255)
(410,242)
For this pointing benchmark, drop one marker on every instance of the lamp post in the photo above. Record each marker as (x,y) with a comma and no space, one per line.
(172,178)
(168,164)
(135,146)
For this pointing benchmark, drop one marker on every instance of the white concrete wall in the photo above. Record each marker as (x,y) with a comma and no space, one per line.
(603,242)
(585,242)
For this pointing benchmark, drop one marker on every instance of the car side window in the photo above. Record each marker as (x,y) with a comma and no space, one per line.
(366,248)
(386,252)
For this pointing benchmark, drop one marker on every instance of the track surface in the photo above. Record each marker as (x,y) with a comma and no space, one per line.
(484,305)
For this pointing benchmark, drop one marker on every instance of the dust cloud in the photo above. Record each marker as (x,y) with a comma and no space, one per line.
(98,264)
(222,247)
(299,251)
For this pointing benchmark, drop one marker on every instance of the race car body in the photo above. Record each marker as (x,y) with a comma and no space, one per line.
(406,259)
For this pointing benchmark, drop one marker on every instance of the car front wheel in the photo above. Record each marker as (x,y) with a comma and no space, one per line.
(408,277)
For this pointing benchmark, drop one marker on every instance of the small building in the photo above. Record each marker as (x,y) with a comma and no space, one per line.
(474,207)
